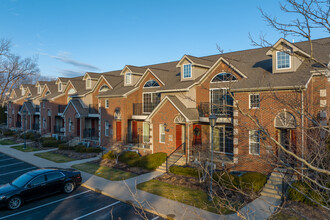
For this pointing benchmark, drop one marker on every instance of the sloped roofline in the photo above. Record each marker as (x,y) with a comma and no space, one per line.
(144,76)
(166,98)
(190,60)
(284,41)
(67,106)
(98,82)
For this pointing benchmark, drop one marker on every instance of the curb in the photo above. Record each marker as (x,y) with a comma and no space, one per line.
(125,201)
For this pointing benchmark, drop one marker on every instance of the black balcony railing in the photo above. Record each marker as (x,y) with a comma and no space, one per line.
(93,109)
(18,124)
(91,133)
(145,108)
(205,109)
(35,126)
(57,129)
(61,108)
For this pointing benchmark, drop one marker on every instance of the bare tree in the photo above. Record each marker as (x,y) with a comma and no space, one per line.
(13,68)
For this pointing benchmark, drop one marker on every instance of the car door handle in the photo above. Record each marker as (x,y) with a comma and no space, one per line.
(43,184)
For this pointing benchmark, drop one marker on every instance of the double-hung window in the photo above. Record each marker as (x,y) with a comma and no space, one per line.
(146,132)
(187,71)
(88,83)
(221,102)
(161,133)
(107,103)
(223,139)
(107,128)
(60,87)
(128,78)
(254,101)
(283,60)
(150,101)
(254,142)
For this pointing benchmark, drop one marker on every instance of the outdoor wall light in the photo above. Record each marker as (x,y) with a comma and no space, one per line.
(165,126)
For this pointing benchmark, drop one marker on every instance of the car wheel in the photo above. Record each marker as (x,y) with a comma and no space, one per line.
(14,202)
(68,187)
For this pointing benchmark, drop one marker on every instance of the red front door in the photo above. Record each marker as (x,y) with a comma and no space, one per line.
(178,136)
(134,130)
(118,130)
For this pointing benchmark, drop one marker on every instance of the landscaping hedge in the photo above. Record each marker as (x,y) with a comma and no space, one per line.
(82,149)
(65,147)
(226,179)
(253,180)
(8,133)
(152,161)
(31,136)
(51,143)
(109,155)
(306,190)
(184,171)
(130,158)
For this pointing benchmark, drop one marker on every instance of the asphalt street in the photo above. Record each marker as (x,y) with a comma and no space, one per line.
(81,204)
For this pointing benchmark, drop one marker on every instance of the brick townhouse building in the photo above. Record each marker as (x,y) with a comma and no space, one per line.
(166,107)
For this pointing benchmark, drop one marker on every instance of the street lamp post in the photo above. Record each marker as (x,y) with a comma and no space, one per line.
(213,121)
(24,117)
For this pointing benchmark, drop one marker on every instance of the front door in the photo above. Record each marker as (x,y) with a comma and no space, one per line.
(180,136)
(287,140)
(134,132)
(118,130)
(49,124)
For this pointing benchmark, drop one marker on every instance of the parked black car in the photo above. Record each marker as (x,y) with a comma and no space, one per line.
(38,183)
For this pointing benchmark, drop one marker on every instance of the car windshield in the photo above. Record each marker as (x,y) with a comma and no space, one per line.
(21,180)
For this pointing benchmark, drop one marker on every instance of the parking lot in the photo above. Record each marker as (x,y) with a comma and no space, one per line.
(81,204)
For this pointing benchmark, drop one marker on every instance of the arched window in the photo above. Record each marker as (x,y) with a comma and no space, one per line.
(224,77)
(104,88)
(151,83)
(71,91)
(47,93)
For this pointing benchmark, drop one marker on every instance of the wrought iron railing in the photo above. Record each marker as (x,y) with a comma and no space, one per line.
(144,108)
(175,156)
(91,133)
(205,109)
(58,129)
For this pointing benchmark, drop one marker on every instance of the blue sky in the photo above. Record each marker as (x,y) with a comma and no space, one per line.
(71,37)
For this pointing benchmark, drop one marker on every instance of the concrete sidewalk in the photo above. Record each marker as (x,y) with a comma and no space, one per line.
(126,191)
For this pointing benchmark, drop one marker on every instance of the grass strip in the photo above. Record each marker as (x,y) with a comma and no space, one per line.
(196,198)
(28,148)
(55,157)
(7,142)
(104,172)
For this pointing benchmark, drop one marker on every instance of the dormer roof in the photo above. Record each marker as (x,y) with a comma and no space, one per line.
(133,69)
(294,48)
(92,75)
(196,61)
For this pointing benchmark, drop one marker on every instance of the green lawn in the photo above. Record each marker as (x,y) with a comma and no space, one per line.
(105,172)
(181,194)
(7,142)
(57,158)
(28,148)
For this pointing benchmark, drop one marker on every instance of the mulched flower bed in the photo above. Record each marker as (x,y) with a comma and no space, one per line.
(298,210)
(75,155)
(193,183)
(121,166)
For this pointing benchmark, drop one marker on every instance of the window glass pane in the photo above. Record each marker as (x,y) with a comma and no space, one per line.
(147,102)
(151,83)
(162,133)
(53,176)
(283,60)
(217,138)
(187,71)
(38,180)
(146,132)
(229,140)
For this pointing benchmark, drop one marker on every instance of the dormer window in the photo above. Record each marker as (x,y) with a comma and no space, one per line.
(60,87)
(88,83)
(22,91)
(187,71)
(128,79)
(39,89)
(283,60)
(151,83)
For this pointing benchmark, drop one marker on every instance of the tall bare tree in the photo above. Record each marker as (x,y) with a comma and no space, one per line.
(13,68)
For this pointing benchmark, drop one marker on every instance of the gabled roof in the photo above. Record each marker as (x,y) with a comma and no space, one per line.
(133,69)
(92,75)
(190,114)
(285,42)
(28,105)
(197,61)
(77,106)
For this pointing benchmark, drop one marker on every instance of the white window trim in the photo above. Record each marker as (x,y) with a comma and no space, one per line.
(144,128)
(106,103)
(223,81)
(190,71)
(90,85)
(130,78)
(250,101)
(160,134)
(143,101)
(250,142)
(39,90)
(287,52)
(106,124)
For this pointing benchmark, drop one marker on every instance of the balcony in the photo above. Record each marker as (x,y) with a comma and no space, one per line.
(223,112)
(93,109)
(61,108)
(142,110)
(91,134)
